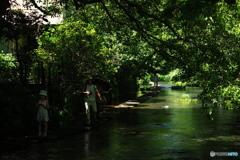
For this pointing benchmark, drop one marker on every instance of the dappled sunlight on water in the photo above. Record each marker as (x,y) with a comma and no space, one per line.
(153,132)
(173,99)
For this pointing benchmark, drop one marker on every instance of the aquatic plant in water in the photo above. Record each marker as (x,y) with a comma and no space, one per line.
(187,98)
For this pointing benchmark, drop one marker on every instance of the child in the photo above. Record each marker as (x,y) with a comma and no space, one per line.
(42,115)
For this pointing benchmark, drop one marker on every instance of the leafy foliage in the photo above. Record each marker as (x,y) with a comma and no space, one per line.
(123,41)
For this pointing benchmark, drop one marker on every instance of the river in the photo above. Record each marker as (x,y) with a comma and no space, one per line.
(162,128)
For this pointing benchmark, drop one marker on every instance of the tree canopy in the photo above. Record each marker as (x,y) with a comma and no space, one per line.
(121,41)
(126,38)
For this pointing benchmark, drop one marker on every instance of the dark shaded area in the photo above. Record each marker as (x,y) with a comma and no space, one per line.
(179,132)
(27,136)
(4,5)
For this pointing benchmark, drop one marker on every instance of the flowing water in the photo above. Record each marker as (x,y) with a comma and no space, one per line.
(162,128)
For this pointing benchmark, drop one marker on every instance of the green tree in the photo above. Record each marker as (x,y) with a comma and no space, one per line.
(195,36)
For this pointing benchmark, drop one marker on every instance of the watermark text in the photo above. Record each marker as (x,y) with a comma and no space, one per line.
(213,154)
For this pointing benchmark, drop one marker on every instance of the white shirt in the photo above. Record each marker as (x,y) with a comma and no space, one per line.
(91,88)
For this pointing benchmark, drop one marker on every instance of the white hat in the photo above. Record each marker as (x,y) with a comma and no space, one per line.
(43,93)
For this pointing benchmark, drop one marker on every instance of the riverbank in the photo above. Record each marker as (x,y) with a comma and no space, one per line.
(12,146)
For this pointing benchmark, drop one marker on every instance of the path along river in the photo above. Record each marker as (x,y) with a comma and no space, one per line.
(152,131)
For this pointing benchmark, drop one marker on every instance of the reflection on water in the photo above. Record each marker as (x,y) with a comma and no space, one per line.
(171,99)
(151,131)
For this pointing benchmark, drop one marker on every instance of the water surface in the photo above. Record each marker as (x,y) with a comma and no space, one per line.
(162,128)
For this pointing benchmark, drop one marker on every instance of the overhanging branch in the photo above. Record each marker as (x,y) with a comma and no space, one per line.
(109,14)
(141,12)
(39,8)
